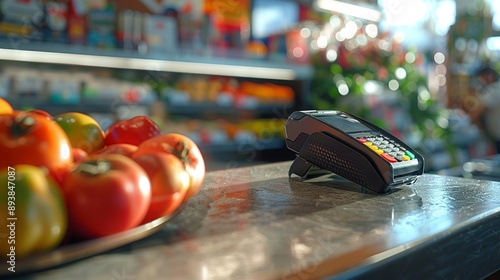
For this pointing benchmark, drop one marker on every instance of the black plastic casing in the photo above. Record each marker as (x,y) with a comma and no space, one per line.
(327,140)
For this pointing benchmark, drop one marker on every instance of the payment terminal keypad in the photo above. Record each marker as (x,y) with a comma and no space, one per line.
(386,148)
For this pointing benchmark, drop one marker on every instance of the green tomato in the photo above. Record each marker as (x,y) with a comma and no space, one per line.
(82,130)
(34,209)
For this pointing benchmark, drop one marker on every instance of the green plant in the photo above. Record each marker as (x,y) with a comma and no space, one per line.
(347,82)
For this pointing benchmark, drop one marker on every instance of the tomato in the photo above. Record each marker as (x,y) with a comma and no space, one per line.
(32,197)
(78,154)
(106,194)
(32,139)
(121,148)
(5,107)
(83,131)
(43,113)
(169,183)
(184,149)
(132,131)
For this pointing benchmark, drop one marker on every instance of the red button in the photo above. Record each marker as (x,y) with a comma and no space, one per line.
(362,140)
(388,158)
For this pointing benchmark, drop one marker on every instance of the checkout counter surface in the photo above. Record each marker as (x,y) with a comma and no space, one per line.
(257,223)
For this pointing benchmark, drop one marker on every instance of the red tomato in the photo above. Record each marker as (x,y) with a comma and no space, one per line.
(169,183)
(78,154)
(43,113)
(106,194)
(132,131)
(121,148)
(184,149)
(27,138)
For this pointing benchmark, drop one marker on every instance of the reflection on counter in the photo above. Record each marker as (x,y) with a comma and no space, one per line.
(257,223)
(483,169)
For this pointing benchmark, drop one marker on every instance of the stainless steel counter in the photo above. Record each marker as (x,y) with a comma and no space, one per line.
(256,223)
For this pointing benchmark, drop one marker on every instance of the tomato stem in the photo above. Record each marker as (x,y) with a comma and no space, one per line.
(22,125)
(181,151)
(94,167)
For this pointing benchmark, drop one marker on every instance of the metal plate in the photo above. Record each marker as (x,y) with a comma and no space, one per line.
(83,249)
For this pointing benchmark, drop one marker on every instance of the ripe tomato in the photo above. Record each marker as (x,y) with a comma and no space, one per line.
(32,197)
(132,131)
(46,114)
(185,150)
(5,107)
(121,148)
(106,194)
(78,154)
(169,183)
(32,139)
(83,131)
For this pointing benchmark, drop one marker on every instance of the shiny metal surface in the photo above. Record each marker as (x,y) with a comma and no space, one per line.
(79,250)
(256,223)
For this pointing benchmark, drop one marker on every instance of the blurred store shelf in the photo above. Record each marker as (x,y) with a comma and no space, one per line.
(100,106)
(194,63)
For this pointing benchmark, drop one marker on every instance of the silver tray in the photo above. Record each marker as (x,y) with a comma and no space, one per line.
(82,249)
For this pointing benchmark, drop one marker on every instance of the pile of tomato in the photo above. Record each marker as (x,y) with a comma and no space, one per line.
(63,178)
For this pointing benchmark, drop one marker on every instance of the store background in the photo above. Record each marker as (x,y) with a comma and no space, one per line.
(227,73)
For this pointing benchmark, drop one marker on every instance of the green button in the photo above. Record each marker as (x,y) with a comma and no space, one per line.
(409,154)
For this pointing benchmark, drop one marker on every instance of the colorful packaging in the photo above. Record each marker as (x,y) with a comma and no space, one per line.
(101,25)
(21,21)
(125,30)
(76,22)
(62,88)
(56,22)
(160,33)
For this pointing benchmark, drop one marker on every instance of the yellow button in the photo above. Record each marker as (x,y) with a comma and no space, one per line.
(406,158)
(368,144)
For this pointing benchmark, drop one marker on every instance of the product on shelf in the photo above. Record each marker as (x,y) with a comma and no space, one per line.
(268,93)
(106,89)
(76,22)
(62,88)
(101,89)
(21,21)
(224,132)
(160,33)
(227,92)
(194,27)
(127,37)
(33,87)
(230,18)
(56,21)
(102,27)
(5,85)
(27,83)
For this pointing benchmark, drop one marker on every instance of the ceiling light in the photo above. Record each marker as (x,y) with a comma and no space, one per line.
(362,12)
